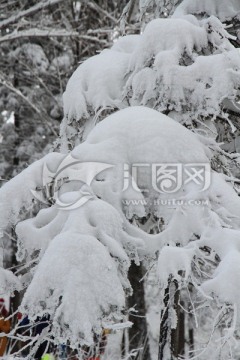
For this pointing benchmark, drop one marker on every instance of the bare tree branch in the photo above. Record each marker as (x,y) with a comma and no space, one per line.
(34,32)
(30,11)
(96,7)
(23,97)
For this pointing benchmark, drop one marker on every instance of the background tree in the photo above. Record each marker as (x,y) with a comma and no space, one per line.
(41,44)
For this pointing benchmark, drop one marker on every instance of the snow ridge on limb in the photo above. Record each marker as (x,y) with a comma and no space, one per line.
(219,8)
(20,190)
(100,221)
(83,265)
(91,246)
(173,65)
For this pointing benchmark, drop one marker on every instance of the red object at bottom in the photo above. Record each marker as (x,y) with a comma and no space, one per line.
(94,358)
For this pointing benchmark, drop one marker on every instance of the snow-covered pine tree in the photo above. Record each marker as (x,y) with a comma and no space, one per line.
(173,67)
(103,209)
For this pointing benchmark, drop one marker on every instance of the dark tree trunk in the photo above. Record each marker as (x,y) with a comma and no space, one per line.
(15,301)
(190,328)
(172,338)
(177,334)
(138,337)
(191,338)
(17,142)
(17,127)
(164,325)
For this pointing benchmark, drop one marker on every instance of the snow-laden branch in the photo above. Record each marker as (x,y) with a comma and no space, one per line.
(84,248)
(163,75)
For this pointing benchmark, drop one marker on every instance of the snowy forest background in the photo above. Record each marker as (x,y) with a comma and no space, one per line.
(172,68)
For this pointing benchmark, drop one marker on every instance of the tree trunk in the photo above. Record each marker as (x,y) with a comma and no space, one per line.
(138,337)
(164,326)
(177,334)
(172,331)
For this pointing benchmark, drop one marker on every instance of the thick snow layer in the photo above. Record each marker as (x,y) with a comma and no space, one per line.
(139,134)
(224,10)
(161,35)
(131,136)
(8,282)
(91,84)
(86,250)
(78,270)
(173,65)
(84,257)
(168,68)
(134,135)
(126,44)
(171,261)
(225,280)
(18,193)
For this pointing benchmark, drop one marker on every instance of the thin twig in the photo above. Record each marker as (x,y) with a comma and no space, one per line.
(35,32)
(96,7)
(34,107)
(40,6)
